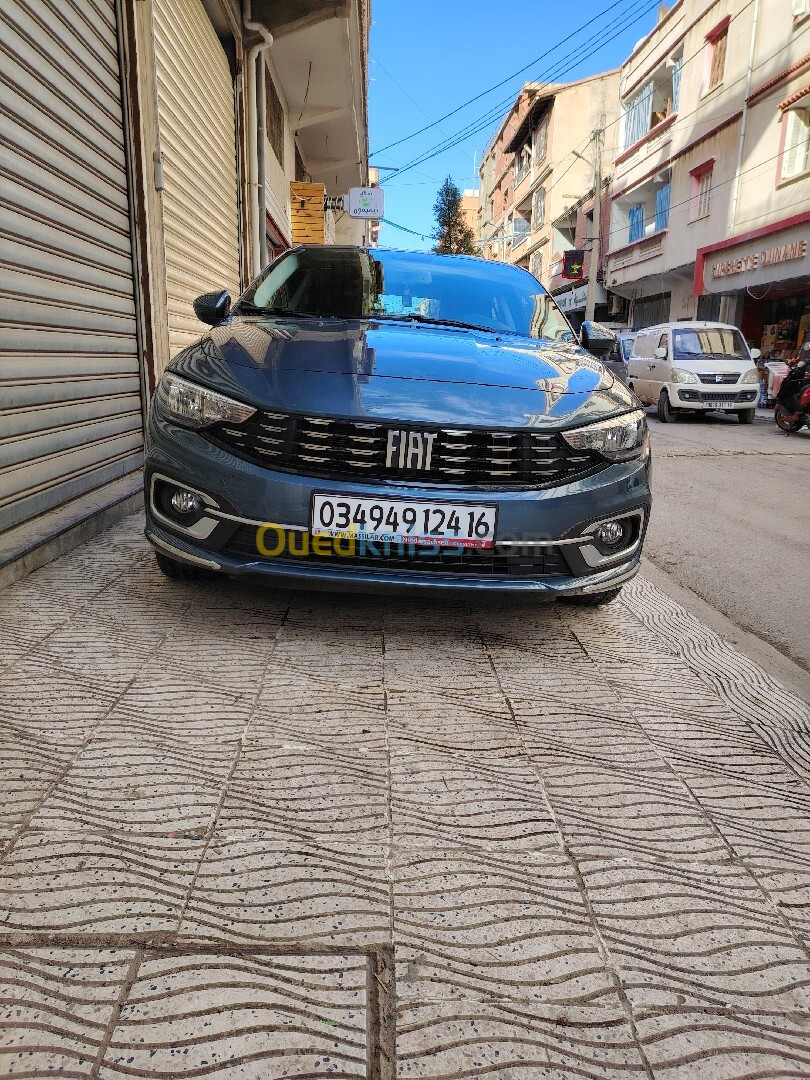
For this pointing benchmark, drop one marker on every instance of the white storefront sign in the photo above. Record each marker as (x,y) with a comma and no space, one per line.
(365,202)
(766,257)
(778,257)
(575,299)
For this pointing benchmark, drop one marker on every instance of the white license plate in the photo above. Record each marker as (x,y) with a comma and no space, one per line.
(721,404)
(404,521)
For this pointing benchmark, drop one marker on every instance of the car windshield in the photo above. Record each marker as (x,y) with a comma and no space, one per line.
(627,347)
(353,283)
(712,341)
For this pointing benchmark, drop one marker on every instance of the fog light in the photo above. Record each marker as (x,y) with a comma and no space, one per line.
(610,533)
(185,502)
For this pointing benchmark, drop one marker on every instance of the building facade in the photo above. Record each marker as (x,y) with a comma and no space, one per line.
(710,200)
(540,167)
(469,209)
(148,147)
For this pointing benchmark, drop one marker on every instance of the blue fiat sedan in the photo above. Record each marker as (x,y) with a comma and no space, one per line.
(392,419)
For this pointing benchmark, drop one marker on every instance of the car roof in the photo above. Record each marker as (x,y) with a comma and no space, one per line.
(397,251)
(691,324)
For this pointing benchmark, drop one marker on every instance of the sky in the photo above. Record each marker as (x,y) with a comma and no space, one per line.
(428,57)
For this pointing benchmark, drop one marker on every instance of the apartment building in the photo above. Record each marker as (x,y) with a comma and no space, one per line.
(497,180)
(539,168)
(148,151)
(710,200)
(469,209)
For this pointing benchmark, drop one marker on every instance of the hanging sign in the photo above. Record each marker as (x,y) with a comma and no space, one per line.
(365,202)
(572,266)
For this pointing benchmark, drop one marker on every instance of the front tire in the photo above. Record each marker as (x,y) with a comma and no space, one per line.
(592,600)
(178,571)
(746,416)
(782,421)
(666,414)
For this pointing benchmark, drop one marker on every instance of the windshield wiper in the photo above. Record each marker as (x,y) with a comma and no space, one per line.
(246,308)
(416,316)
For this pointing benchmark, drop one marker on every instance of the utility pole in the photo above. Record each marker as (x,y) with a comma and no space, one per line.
(596,239)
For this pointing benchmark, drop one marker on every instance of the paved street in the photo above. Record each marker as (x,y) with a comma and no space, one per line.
(263,834)
(730,522)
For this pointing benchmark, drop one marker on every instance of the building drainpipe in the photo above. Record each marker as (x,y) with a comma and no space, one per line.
(255,134)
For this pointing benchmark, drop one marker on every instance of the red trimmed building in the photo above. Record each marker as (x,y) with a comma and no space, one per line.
(710,201)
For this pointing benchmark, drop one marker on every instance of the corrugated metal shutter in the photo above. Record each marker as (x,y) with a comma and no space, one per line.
(651,310)
(196,117)
(70,401)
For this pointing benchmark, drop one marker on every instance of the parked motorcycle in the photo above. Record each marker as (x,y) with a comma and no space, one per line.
(792,409)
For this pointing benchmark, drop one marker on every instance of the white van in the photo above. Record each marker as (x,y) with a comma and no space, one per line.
(694,365)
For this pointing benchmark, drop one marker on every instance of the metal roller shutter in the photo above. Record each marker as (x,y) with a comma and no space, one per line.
(70,391)
(196,118)
(651,310)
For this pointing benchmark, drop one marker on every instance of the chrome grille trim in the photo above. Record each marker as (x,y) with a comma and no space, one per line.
(323,447)
(728,378)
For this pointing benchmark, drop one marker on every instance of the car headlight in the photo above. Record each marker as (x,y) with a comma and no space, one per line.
(619,439)
(196,406)
(751,376)
(681,375)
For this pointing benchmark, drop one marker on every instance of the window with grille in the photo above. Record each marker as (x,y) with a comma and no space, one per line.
(274,114)
(541,140)
(717,55)
(537,264)
(520,229)
(796,151)
(539,209)
(523,163)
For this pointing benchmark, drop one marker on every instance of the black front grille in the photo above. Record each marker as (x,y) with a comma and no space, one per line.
(745,395)
(542,562)
(728,378)
(353,449)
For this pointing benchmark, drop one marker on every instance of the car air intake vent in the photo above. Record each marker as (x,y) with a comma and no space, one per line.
(424,559)
(726,378)
(351,449)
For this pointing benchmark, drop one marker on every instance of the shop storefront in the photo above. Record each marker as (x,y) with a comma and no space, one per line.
(573,300)
(763,280)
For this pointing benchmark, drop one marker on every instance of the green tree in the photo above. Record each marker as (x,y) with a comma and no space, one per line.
(453,235)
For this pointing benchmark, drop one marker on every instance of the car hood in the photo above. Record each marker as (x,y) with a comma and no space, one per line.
(405,371)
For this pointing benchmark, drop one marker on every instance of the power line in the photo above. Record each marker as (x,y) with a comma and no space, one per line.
(564,65)
(402,228)
(612,232)
(497,86)
(476,126)
(407,95)
(568,62)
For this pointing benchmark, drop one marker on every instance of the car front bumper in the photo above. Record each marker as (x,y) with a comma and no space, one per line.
(712,396)
(237,494)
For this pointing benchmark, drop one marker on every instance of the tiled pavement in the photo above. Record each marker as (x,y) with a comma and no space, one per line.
(263,834)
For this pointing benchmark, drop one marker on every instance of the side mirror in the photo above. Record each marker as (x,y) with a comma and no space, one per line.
(213,307)
(597,339)
(755,354)
(661,352)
